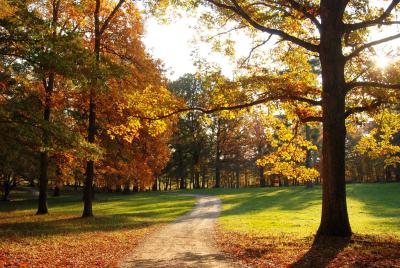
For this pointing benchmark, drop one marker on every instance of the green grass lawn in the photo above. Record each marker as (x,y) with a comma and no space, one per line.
(274,227)
(120,222)
(259,225)
(374,209)
(112,211)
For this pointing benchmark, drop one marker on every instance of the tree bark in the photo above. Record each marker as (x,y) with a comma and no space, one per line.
(127,189)
(155,185)
(217,157)
(56,191)
(262,176)
(197,179)
(237,173)
(6,189)
(182,184)
(43,180)
(334,219)
(88,190)
(44,157)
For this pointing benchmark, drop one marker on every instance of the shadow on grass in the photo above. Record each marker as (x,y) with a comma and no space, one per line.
(379,199)
(322,252)
(112,212)
(71,225)
(30,202)
(287,199)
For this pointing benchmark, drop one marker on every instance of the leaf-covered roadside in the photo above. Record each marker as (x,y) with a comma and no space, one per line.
(103,248)
(289,251)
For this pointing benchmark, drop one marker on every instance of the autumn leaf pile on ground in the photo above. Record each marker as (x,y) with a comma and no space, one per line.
(290,251)
(64,239)
(86,249)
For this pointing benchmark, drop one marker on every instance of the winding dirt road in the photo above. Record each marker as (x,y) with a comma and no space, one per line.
(186,242)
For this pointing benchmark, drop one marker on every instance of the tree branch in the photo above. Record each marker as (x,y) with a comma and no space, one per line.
(225,32)
(358,50)
(305,12)
(375,104)
(254,48)
(233,107)
(311,119)
(369,23)
(110,17)
(352,85)
(285,36)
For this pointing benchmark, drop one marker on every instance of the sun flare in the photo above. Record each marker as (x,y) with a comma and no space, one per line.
(382,61)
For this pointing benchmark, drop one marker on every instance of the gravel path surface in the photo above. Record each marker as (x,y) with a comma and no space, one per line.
(186,242)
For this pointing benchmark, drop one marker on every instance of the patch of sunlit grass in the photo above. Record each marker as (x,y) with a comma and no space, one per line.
(275,227)
(374,209)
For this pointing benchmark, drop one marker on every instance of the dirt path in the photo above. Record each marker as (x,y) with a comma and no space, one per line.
(186,242)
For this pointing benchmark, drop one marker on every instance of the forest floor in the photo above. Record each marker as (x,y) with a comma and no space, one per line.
(261,227)
(274,227)
(186,242)
(63,239)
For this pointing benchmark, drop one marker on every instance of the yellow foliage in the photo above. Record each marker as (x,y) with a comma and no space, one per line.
(289,152)
(378,143)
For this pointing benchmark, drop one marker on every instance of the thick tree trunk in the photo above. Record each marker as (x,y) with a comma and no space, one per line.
(88,191)
(88,188)
(334,219)
(44,157)
(43,180)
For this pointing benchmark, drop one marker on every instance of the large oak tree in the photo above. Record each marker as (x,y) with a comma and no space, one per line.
(335,31)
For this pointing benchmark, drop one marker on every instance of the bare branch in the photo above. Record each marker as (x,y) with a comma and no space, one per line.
(236,8)
(254,48)
(377,21)
(225,32)
(358,50)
